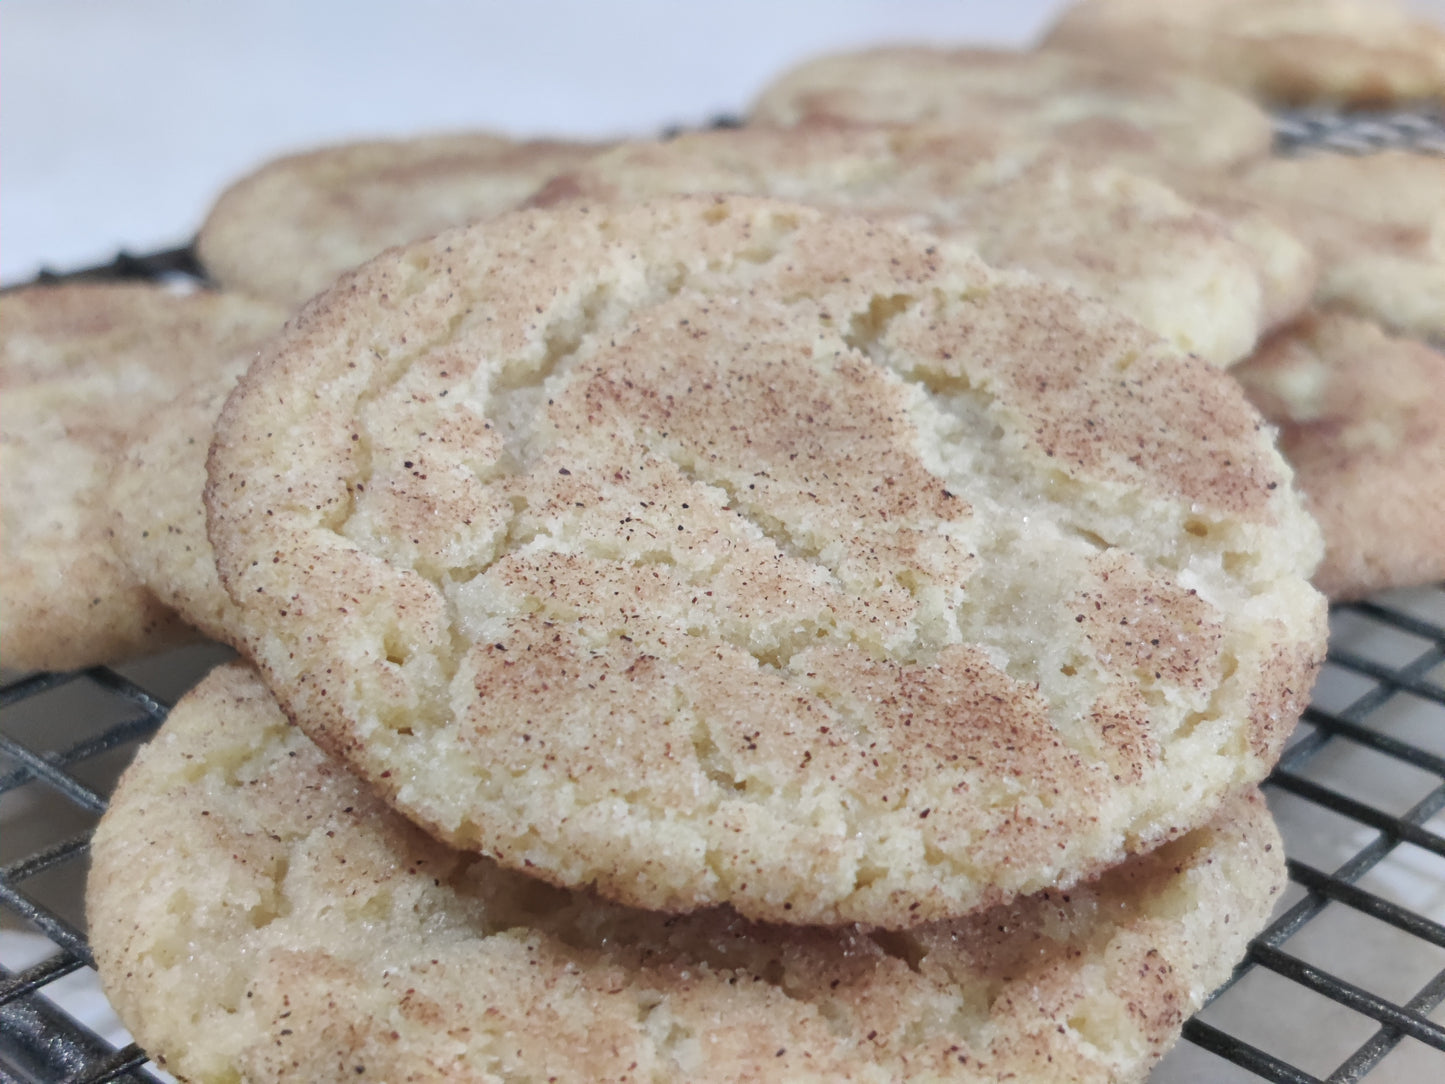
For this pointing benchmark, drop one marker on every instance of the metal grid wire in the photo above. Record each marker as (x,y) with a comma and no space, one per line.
(1421,130)
(1347,983)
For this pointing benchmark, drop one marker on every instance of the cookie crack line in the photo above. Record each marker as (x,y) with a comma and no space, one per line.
(567,334)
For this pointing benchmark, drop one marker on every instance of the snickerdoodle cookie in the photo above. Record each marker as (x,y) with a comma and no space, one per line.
(257,915)
(1208,282)
(1362,420)
(158,518)
(81,368)
(1293,52)
(723,550)
(1063,96)
(1376,222)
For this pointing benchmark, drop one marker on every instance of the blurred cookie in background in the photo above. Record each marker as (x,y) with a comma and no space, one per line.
(287,230)
(1376,223)
(258,915)
(1070,98)
(1362,420)
(158,518)
(82,366)
(1209,281)
(1369,53)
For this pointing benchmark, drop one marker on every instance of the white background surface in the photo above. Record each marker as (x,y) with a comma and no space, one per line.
(121,120)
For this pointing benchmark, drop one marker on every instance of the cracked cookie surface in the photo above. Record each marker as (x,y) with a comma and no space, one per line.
(722,550)
(258,915)
(1377,225)
(1360,53)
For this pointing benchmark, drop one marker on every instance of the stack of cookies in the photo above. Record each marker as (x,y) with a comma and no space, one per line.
(811,601)
(738,638)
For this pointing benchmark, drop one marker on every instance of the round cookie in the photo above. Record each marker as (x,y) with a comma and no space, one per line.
(1293,52)
(722,550)
(1289,269)
(1062,95)
(287,230)
(1377,224)
(257,915)
(1362,420)
(1199,280)
(81,367)
(1189,275)
(158,517)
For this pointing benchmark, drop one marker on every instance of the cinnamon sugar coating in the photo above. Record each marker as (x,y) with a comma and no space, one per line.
(721,550)
(1092,218)
(288,229)
(1040,92)
(1362,419)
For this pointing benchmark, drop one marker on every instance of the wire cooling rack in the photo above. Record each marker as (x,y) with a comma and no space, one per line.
(1347,983)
